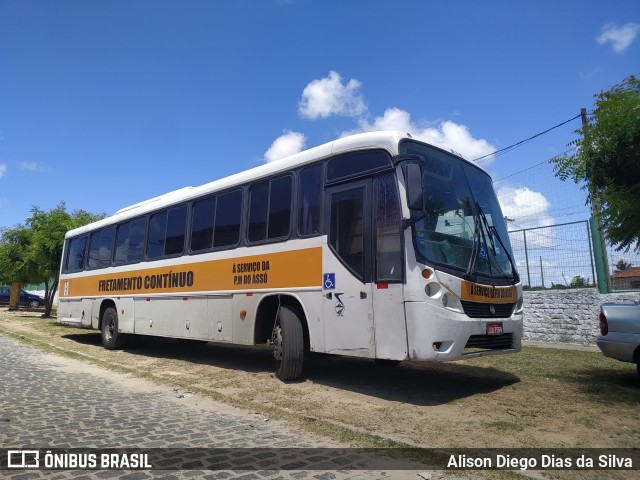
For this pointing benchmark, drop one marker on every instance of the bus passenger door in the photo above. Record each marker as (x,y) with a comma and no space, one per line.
(388,294)
(347,300)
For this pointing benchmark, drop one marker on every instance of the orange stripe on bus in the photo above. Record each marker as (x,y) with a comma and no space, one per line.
(291,269)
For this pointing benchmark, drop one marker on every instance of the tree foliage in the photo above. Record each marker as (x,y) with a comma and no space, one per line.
(607,161)
(622,265)
(16,265)
(578,281)
(31,253)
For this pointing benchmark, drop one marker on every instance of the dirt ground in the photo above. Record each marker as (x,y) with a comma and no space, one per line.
(539,397)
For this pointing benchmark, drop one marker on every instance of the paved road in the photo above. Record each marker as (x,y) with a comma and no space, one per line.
(52,402)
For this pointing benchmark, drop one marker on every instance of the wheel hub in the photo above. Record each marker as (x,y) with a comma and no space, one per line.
(276,342)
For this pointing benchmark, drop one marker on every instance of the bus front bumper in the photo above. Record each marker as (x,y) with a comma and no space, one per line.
(438,334)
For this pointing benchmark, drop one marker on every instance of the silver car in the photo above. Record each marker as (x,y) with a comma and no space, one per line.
(620,331)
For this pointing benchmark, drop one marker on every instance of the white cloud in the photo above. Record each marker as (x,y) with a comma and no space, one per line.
(448,134)
(392,119)
(523,204)
(329,96)
(33,166)
(289,143)
(3,170)
(527,209)
(619,37)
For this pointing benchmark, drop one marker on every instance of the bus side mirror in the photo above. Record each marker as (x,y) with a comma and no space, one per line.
(415,193)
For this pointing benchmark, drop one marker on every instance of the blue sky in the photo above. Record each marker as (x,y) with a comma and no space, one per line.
(107,103)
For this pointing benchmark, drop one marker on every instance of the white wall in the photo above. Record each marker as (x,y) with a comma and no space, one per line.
(566,316)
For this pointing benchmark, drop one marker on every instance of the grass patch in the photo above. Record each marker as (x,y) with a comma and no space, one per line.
(506,426)
(588,422)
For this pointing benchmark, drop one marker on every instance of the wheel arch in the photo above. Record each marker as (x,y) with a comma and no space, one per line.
(266,315)
(106,303)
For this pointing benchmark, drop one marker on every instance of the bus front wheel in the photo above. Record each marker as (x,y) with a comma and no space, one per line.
(112,339)
(288,344)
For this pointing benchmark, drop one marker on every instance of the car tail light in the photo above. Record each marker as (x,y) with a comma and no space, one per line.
(604,326)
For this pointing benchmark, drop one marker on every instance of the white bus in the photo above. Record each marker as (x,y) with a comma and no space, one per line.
(374,245)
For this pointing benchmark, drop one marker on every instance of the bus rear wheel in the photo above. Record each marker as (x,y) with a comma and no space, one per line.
(112,339)
(287,342)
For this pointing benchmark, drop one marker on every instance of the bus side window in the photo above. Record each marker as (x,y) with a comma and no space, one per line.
(136,240)
(176,227)
(122,244)
(280,207)
(130,241)
(388,243)
(309,199)
(270,209)
(202,224)
(100,246)
(227,225)
(76,256)
(258,210)
(157,232)
(94,249)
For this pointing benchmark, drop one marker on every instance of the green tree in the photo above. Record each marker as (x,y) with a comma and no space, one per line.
(16,266)
(607,161)
(32,253)
(578,281)
(622,265)
(48,231)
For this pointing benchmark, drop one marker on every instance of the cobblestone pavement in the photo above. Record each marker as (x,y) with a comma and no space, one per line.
(49,402)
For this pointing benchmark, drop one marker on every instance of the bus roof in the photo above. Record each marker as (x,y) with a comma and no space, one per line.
(388,140)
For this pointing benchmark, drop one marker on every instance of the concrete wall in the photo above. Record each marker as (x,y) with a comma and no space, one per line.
(566,316)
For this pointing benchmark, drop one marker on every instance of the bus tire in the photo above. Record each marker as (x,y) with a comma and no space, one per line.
(288,344)
(112,339)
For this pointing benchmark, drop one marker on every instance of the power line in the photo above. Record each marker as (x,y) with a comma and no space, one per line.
(533,166)
(510,147)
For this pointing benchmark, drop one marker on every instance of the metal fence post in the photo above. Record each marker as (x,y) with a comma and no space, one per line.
(601,268)
(593,274)
(526,255)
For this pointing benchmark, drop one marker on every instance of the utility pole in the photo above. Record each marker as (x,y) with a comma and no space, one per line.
(597,232)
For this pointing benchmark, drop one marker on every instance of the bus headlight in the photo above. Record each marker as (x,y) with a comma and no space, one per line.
(432,289)
(519,305)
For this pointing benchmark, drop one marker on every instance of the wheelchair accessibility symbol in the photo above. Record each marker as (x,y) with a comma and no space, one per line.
(483,250)
(329,281)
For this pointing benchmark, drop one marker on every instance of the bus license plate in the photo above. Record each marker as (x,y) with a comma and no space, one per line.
(494,328)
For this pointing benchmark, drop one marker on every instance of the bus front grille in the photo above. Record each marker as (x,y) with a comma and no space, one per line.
(490,342)
(483,310)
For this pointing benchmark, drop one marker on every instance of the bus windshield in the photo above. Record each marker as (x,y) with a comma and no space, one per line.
(461,227)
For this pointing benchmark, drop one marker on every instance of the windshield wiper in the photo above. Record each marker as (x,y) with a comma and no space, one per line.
(492,231)
(487,226)
(474,250)
(506,251)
